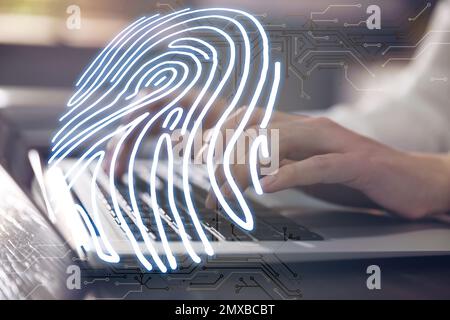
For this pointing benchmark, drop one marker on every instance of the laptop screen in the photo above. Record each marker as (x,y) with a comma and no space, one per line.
(34,258)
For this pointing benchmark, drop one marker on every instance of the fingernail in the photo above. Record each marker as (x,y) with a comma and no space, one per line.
(267,181)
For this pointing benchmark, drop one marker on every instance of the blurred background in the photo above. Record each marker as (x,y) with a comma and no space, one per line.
(43,50)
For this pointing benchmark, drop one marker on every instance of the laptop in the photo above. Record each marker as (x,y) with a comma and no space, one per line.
(34,257)
(284,224)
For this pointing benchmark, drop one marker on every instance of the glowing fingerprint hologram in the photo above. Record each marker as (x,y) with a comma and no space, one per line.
(164,58)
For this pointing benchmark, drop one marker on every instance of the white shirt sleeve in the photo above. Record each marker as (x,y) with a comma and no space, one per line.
(415,114)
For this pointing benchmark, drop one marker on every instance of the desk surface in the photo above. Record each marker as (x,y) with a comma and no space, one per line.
(401,278)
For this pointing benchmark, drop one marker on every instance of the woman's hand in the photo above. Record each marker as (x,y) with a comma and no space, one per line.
(318,151)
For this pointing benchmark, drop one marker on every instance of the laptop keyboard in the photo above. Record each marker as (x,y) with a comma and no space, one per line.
(217,226)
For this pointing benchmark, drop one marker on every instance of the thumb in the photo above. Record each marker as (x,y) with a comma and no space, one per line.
(327,168)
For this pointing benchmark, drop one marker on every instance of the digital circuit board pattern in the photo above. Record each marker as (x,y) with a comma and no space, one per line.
(319,44)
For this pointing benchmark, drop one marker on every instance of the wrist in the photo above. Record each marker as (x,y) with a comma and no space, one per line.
(413,185)
(437,169)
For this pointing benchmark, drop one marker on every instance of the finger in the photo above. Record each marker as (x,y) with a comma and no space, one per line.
(125,150)
(327,169)
(188,100)
(204,136)
(238,167)
(240,175)
(122,155)
(301,138)
(239,170)
(255,118)
(211,199)
(185,102)
(235,119)
(291,137)
(285,162)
